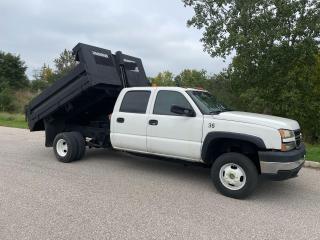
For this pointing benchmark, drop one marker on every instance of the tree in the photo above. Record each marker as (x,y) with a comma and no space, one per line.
(64,63)
(193,78)
(275,45)
(221,88)
(6,98)
(46,75)
(12,71)
(165,78)
(43,78)
(12,78)
(251,27)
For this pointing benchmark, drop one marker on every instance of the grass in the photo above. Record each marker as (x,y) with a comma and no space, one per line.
(313,152)
(17,120)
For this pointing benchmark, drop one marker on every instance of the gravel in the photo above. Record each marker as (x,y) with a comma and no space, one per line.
(113,195)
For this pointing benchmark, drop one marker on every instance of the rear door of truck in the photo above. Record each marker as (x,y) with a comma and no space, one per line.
(129,120)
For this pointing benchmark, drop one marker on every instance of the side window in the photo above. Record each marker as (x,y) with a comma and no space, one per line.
(165,99)
(135,102)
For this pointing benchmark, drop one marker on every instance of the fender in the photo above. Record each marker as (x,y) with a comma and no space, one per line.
(212,136)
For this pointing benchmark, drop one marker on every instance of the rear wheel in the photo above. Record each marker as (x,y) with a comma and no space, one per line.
(234,175)
(81,144)
(65,147)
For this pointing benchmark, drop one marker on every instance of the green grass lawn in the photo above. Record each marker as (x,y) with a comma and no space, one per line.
(313,152)
(12,120)
(18,121)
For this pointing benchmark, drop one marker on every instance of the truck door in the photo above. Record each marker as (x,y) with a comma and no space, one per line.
(172,134)
(129,122)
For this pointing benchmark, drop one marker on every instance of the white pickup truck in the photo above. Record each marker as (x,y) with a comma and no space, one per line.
(106,102)
(189,124)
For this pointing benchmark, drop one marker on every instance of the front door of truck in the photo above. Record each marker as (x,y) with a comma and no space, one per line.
(171,134)
(129,124)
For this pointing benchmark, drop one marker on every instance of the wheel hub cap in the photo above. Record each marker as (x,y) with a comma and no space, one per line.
(232,176)
(62,147)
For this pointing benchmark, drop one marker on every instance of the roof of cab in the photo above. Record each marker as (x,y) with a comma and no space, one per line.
(164,88)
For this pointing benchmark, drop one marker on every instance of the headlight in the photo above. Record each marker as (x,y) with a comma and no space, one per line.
(284,133)
(287,144)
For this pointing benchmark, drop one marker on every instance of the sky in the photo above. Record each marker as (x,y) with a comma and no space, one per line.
(155,31)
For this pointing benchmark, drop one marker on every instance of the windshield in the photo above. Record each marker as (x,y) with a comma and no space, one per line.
(207,103)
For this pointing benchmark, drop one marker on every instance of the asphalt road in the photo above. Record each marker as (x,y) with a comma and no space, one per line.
(112,195)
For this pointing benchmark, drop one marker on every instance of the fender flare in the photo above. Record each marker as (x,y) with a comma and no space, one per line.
(212,136)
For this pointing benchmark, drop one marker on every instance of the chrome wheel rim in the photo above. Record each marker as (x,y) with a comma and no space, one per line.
(232,176)
(62,147)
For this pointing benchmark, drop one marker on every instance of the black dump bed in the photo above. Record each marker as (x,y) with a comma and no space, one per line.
(89,91)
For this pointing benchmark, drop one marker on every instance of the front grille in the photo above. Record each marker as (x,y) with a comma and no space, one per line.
(298,137)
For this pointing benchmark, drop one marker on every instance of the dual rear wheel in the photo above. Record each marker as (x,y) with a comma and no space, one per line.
(69,146)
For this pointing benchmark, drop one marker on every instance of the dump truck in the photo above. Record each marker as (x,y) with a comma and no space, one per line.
(106,101)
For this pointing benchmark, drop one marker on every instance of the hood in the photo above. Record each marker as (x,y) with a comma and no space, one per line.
(259,119)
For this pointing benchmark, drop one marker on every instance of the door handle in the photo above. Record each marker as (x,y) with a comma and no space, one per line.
(153,122)
(120,120)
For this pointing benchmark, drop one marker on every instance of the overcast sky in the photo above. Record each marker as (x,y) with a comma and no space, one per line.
(153,30)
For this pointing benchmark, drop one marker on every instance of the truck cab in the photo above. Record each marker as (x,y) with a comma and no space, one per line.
(190,124)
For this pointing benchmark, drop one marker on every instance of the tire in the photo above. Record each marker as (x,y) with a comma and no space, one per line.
(65,147)
(234,175)
(81,144)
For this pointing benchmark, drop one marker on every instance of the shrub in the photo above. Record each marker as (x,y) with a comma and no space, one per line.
(6,100)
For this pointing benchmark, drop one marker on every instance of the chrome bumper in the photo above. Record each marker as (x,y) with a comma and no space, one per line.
(282,165)
(275,167)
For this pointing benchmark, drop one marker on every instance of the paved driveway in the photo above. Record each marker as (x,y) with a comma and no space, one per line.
(112,195)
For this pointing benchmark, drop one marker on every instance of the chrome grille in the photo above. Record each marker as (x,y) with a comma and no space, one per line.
(298,137)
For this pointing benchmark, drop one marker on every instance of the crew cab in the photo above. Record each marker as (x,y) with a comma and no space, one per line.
(189,124)
(174,123)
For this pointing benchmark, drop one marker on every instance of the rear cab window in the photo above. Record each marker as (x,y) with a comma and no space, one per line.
(135,101)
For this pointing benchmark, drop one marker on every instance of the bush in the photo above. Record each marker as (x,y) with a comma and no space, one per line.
(21,99)
(6,100)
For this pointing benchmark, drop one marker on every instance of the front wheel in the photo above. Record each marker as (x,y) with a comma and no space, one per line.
(234,175)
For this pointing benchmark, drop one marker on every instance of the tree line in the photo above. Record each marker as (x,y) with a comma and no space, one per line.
(16,90)
(275,67)
(301,101)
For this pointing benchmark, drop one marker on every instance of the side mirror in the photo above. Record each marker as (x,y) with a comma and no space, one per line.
(183,111)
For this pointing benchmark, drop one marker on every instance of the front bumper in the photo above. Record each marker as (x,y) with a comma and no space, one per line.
(282,165)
